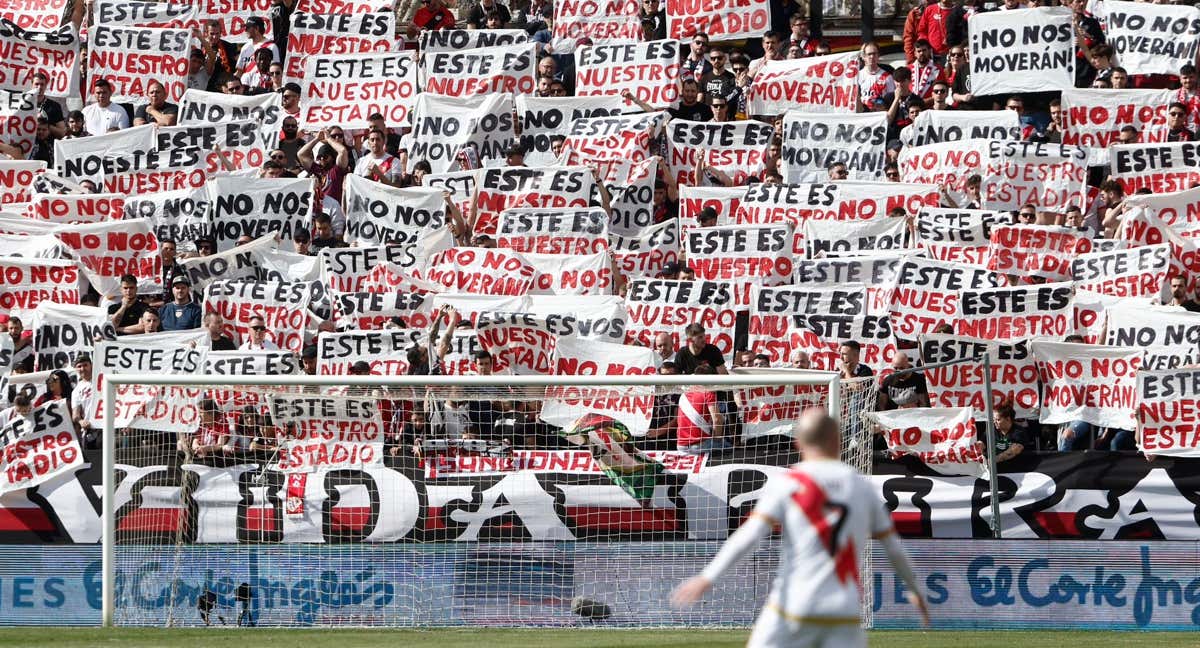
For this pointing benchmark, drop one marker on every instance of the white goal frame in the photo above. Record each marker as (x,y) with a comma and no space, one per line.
(829,379)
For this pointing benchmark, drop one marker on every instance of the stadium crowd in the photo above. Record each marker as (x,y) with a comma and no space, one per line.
(931,73)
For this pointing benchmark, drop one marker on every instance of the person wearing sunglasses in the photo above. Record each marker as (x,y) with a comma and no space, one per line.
(651,11)
(330,162)
(1177,123)
(257,341)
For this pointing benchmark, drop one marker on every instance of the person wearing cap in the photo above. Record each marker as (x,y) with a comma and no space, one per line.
(205,246)
(82,403)
(514,154)
(183,313)
(256,35)
(670,270)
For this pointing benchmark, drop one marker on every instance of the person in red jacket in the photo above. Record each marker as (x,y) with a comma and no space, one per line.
(933,26)
(911,25)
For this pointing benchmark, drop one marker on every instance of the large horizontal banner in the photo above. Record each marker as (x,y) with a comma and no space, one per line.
(1152,39)
(815,84)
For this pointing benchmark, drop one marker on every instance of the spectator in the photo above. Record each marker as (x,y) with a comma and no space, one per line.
(332,160)
(323,234)
(800,36)
(903,388)
(257,340)
(48,108)
(933,26)
(1177,123)
(850,365)
(664,347)
(83,402)
(220,56)
(183,313)
(258,78)
(76,125)
(432,15)
(874,82)
(664,417)
(103,115)
(924,70)
(476,17)
(291,99)
(150,321)
(697,350)
(58,388)
(696,64)
(378,164)
(1180,295)
(289,144)
(126,315)
(43,143)
(256,41)
(1011,439)
(211,435)
(652,12)
(912,25)
(198,76)
(700,424)
(158,110)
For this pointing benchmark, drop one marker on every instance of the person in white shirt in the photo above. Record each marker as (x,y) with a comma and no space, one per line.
(377,164)
(82,403)
(258,337)
(103,116)
(828,512)
(256,39)
(874,82)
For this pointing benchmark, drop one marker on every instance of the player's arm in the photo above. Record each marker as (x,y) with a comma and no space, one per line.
(900,562)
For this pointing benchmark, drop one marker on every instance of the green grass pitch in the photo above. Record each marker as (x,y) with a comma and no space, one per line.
(569,638)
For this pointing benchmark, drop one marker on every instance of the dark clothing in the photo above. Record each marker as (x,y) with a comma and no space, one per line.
(335,179)
(132,315)
(43,150)
(331,242)
(1191,305)
(903,389)
(168,108)
(51,110)
(693,69)
(687,361)
(180,317)
(698,111)
(223,343)
(478,15)
(660,22)
(666,211)
(862,371)
(1180,135)
(225,67)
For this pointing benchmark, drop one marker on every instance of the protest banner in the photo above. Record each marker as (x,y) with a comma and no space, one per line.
(147,13)
(375,310)
(67,209)
(589,317)
(164,408)
(521,344)
(616,139)
(645,254)
(486,70)
(1172,208)
(542,187)
(232,15)
(935,126)
(946,164)
(16,180)
(631,406)
(44,15)
(347,269)
(481,271)
(1161,168)
(52,51)
(245,362)
(542,231)
(1091,383)
(238,263)
(39,447)
(61,331)
(1050,176)
(443,127)
(865,200)
(1025,50)
(1091,313)
(1093,118)
(877,272)
(571,274)
(18,119)
(1139,229)
(169,170)
(649,70)
(827,237)
(667,306)
(960,235)
(314,33)
(384,350)
(1016,312)
(110,250)
(1166,412)
(283,305)
(327,433)
(240,143)
(598,20)
(460,185)
(379,214)
(814,141)
(721,19)
(631,195)
(542,118)
(343,90)
(257,207)
(472,306)
(758,254)
(1036,250)
(1013,373)
(926,293)
(1132,272)
(38,246)
(823,84)
(943,438)
(456,40)
(86,158)
(25,283)
(132,59)
(786,321)
(200,107)
(737,149)
(1167,336)
(1154,39)
(17,225)
(773,410)
(726,201)
(763,204)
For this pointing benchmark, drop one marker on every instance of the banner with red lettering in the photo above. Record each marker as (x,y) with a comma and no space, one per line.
(1036,250)
(25,283)
(827,237)
(865,199)
(763,204)
(598,20)
(945,163)
(131,58)
(943,438)
(645,254)
(571,274)
(385,350)
(758,254)
(481,271)
(1024,50)
(667,306)
(545,187)
(774,410)
(1014,373)
(737,149)
(721,19)
(68,209)
(1132,272)
(18,119)
(245,362)
(1168,337)
(108,251)
(53,51)
(935,126)
(877,272)
(460,185)
(170,170)
(448,131)
(814,141)
(1139,228)
(522,344)
(1152,39)
(375,310)
(257,207)
(1051,176)
(649,70)
(926,293)
(961,235)
(379,214)
(1172,208)
(812,84)
(726,201)
(16,180)
(618,138)
(631,196)
(486,70)
(344,90)
(631,406)
(1172,166)
(165,408)
(327,433)
(545,117)
(1166,416)
(1016,312)
(91,157)
(38,447)
(1093,117)
(471,306)
(232,15)
(1085,382)
(541,231)
(240,142)
(348,269)
(786,321)
(313,33)
(45,14)
(283,305)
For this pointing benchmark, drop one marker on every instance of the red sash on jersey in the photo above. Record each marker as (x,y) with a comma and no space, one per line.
(814,504)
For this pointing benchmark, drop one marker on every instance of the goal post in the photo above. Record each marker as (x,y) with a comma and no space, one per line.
(619,471)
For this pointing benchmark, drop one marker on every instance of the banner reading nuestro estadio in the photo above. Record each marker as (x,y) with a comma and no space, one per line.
(1050,176)
(1132,272)
(724,200)
(926,293)
(313,34)
(720,19)
(667,306)
(348,269)
(877,272)
(54,52)
(166,408)
(1016,312)
(283,305)
(18,119)
(645,254)
(649,70)
(759,254)
(385,350)
(1152,39)
(344,90)
(1036,250)
(814,141)
(1093,118)
(520,343)
(737,149)
(1172,208)
(39,447)
(631,406)
(813,84)
(947,164)
(1162,168)
(1167,403)
(39,15)
(467,73)
(1025,50)
(1014,373)
(961,235)
(942,438)
(1085,382)
(327,433)
(134,58)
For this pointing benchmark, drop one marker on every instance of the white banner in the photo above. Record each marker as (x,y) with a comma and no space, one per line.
(313,34)
(443,126)
(632,406)
(814,141)
(813,84)
(738,149)
(942,438)
(1083,382)
(1025,50)
(649,70)
(165,408)
(378,214)
(1093,118)
(343,90)
(132,58)
(1152,38)
(482,71)
(38,448)
(257,207)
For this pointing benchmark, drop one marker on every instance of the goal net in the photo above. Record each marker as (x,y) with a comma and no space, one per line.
(429,501)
